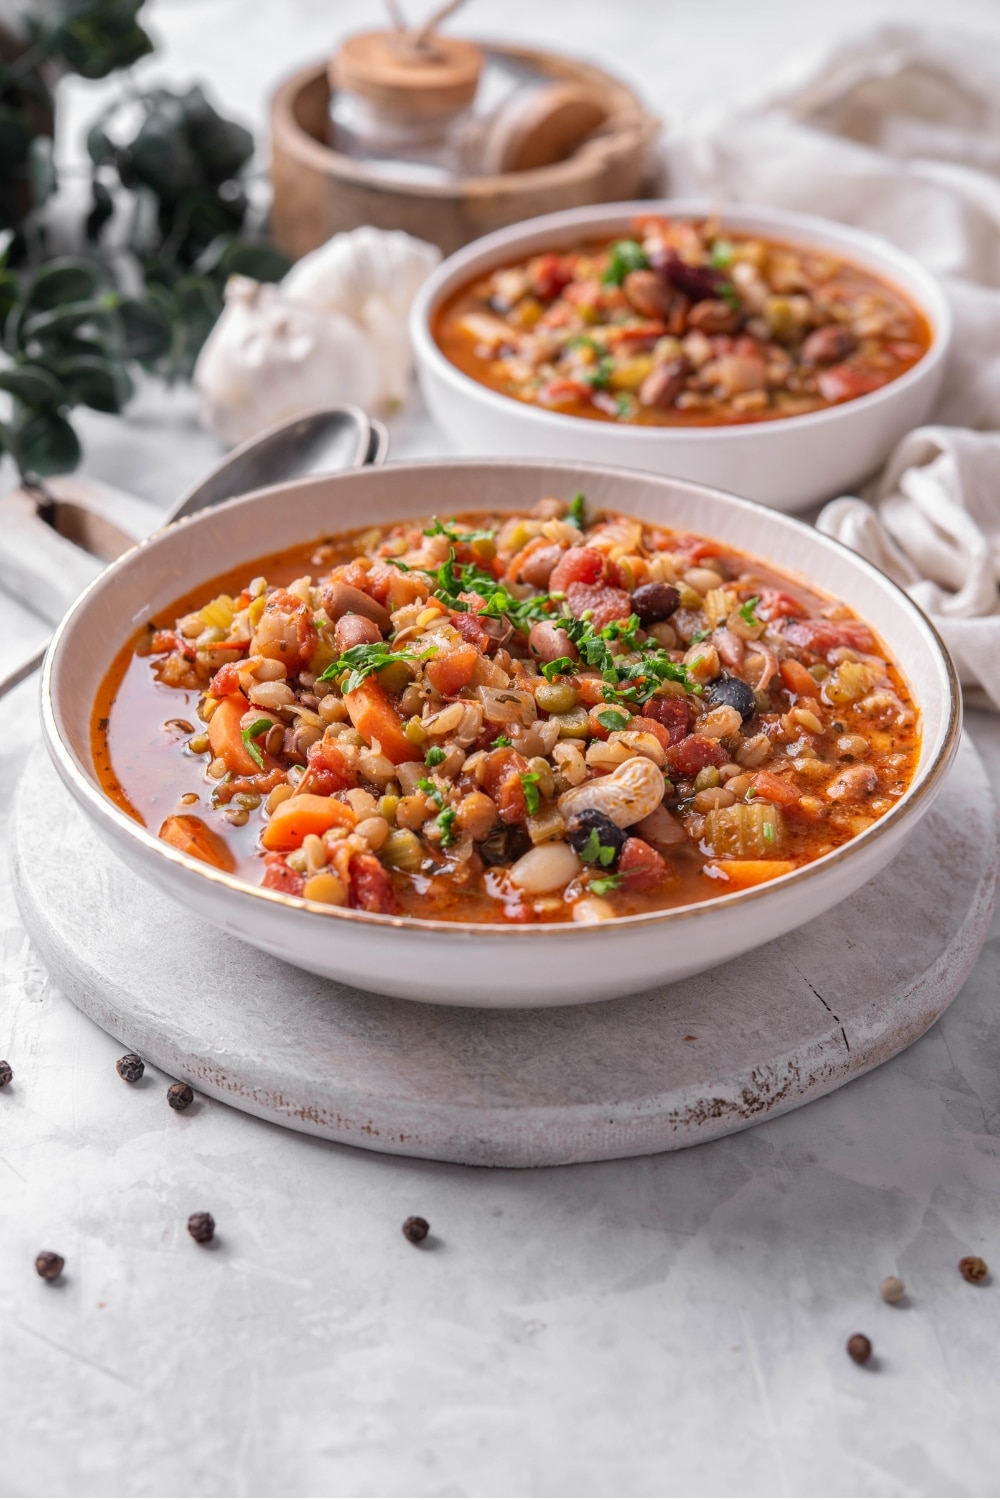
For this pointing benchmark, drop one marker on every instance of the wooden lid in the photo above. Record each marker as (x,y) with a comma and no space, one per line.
(543,126)
(386,67)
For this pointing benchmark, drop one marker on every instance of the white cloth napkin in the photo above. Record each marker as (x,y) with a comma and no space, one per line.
(898,131)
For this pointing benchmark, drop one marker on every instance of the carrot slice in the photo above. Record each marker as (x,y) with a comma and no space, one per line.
(298,816)
(226,739)
(374,717)
(742,873)
(797,680)
(194,837)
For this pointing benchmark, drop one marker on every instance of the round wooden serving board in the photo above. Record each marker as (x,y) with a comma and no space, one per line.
(653,1072)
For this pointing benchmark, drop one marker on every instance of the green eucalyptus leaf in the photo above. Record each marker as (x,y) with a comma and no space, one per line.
(47,328)
(46,444)
(101,210)
(146,330)
(61,281)
(221,146)
(100,383)
(257,258)
(100,147)
(41,170)
(32,385)
(9,294)
(161,157)
(97,36)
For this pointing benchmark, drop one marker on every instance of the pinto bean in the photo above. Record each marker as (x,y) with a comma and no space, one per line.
(355,630)
(664,384)
(714,316)
(537,568)
(853,785)
(648,293)
(340,599)
(827,345)
(547,643)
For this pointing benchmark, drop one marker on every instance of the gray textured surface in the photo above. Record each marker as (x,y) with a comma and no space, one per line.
(663,1069)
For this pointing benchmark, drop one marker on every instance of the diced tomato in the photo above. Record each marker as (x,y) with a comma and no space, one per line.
(583,294)
(672,713)
(590,690)
(371,886)
(603,602)
(659,731)
(578,565)
(285,631)
(471,630)
(449,671)
(775,604)
(557,316)
(796,679)
(226,680)
(377,582)
(771,788)
(844,383)
(822,636)
(331,770)
(501,780)
(641,867)
(548,275)
(636,333)
(696,548)
(559,392)
(693,754)
(171,640)
(278,876)
(353,574)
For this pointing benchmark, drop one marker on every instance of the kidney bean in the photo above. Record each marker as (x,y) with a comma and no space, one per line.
(547,643)
(355,630)
(648,293)
(664,384)
(825,346)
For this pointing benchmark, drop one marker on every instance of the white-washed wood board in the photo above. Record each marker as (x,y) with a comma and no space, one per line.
(656,1071)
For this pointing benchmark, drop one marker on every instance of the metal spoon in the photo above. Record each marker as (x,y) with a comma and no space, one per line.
(326,441)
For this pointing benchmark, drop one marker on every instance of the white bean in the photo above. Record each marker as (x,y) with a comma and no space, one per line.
(549,867)
(626,796)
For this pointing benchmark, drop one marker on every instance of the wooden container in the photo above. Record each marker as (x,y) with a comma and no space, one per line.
(319,192)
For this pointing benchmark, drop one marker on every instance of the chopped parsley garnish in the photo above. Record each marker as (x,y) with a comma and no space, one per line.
(463,578)
(532,796)
(434,756)
(606,883)
(445,819)
(625,631)
(699,636)
(577,507)
(502,742)
(623,405)
(551,669)
(361,661)
(747,614)
(722,254)
(430,789)
(596,853)
(729,294)
(626,256)
(626,682)
(248,735)
(599,375)
(437,528)
(612,719)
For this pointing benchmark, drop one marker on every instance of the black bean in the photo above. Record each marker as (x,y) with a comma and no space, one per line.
(733,692)
(582,828)
(653,602)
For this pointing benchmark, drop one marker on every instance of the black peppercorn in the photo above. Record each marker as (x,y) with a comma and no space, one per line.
(49,1265)
(859,1348)
(180,1095)
(130,1067)
(6,1074)
(416,1230)
(201,1227)
(973,1268)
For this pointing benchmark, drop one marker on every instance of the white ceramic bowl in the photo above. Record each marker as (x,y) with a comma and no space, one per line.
(790,463)
(448,962)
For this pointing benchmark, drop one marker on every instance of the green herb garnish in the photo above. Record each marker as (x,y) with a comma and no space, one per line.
(434,756)
(599,375)
(430,789)
(698,637)
(361,661)
(502,742)
(747,614)
(445,819)
(248,735)
(729,294)
(532,796)
(577,507)
(596,853)
(437,528)
(626,256)
(606,883)
(612,719)
(562,664)
(721,254)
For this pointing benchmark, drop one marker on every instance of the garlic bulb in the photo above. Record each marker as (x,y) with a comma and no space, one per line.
(269,357)
(372,276)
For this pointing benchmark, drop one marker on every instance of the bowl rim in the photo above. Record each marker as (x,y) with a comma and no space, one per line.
(931,302)
(101,808)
